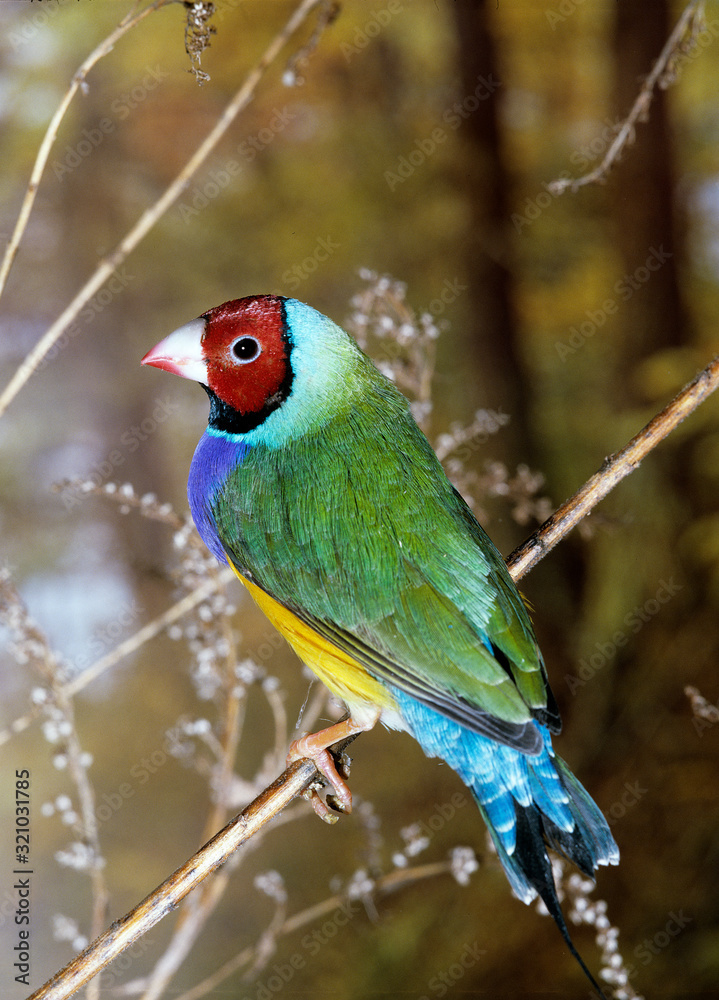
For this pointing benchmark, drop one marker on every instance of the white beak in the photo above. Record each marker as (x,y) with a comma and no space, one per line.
(181,352)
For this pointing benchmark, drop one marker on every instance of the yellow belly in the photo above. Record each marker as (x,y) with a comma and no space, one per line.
(346,678)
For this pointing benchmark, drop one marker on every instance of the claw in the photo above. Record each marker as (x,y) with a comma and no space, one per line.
(314,747)
(326,766)
(343,763)
(324,813)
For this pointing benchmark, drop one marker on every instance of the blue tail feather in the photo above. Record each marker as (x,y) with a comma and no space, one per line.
(528,802)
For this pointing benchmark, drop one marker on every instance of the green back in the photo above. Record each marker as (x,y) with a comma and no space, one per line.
(355,527)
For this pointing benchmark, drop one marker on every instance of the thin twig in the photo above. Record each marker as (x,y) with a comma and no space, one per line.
(384,886)
(88,822)
(77,82)
(613,470)
(192,919)
(39,653)
(130,645)
(640,108)
(151,215)
(122,933)
(279,715)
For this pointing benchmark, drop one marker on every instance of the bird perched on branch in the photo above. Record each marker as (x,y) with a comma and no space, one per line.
(315,484)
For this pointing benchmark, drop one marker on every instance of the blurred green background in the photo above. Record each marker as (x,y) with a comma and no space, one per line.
(417,140)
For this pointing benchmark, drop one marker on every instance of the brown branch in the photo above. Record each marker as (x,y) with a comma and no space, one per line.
(151,215)
(687,22)
(124,932)
(192,919)
(612,471)
(166,897)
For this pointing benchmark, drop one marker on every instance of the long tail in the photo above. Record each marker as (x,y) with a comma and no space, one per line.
(588,844)
(528,804)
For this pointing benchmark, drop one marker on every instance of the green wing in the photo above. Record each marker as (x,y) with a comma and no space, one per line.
(363,537)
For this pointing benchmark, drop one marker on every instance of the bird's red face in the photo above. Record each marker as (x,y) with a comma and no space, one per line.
(240,351)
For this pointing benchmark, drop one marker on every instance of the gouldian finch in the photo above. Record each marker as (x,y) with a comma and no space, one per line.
(314,483)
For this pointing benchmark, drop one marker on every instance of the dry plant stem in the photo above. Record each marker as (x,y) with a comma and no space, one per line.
(384,886)
(613,470)
(193,918)
(122,933)
(639,109)
(134,642)
(88,812)
(156,211)
(88,824)
(279,715)
(232,724)
(38,169)
(50,669)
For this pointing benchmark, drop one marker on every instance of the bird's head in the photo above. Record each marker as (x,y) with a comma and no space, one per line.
(260,357)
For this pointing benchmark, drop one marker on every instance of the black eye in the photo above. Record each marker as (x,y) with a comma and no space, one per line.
(246,349)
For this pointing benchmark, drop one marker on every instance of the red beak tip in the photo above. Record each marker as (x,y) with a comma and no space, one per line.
(152,359)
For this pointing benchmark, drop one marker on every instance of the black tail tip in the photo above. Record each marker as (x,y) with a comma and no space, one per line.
(537,868)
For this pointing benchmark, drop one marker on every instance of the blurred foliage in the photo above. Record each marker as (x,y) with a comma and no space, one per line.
(299,196)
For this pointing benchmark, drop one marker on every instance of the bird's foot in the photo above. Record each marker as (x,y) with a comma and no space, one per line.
(335,775)
(314,746)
